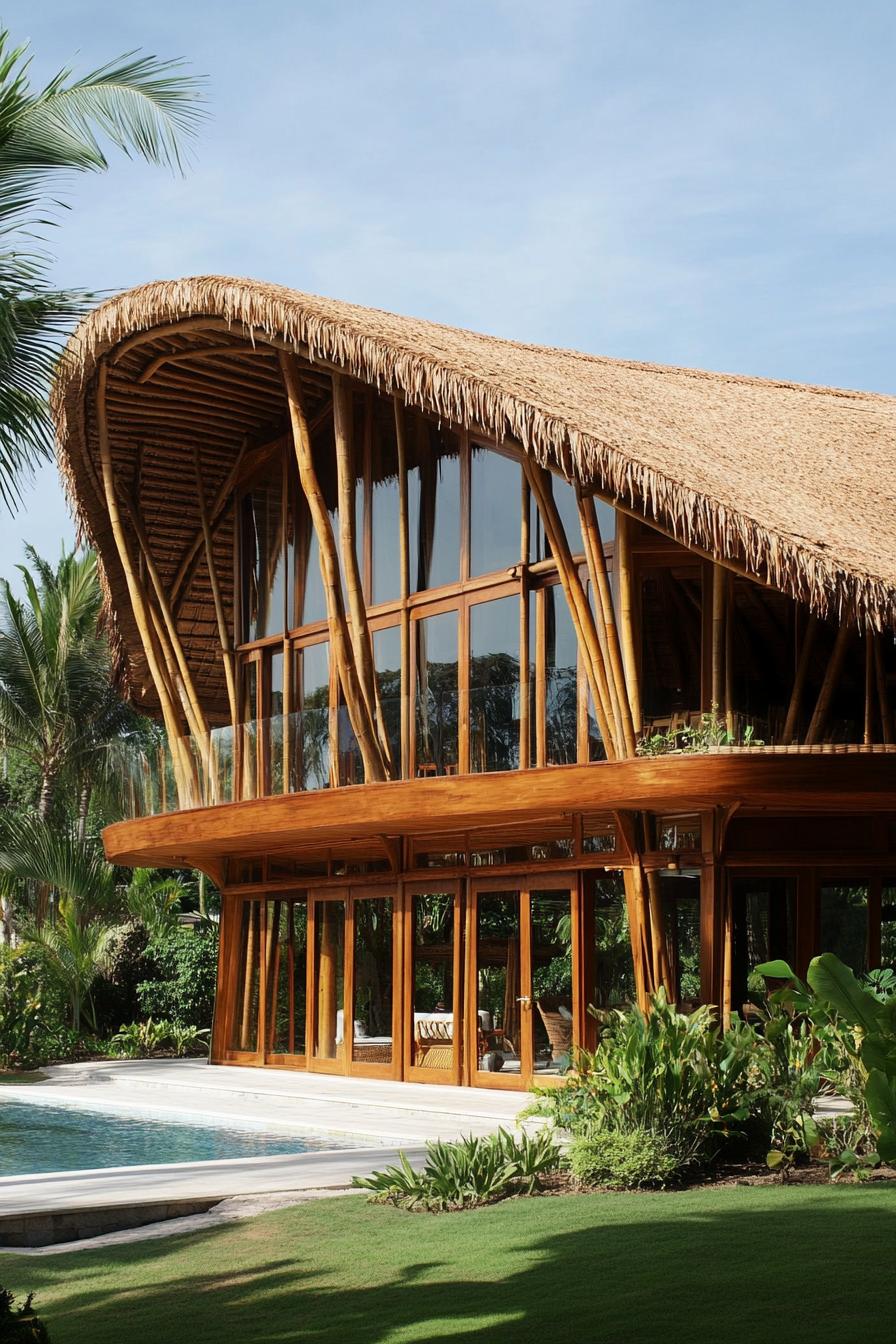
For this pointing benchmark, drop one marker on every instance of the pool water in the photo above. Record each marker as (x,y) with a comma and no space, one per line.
(36,1138)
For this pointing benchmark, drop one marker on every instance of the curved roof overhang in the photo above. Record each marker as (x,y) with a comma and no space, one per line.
(792,484)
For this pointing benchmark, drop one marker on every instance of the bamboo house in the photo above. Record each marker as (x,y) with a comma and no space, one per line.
(494,682)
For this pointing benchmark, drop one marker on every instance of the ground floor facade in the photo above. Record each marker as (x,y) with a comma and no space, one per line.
(485,957)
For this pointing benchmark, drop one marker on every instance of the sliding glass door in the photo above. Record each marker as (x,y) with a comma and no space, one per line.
(523,1002)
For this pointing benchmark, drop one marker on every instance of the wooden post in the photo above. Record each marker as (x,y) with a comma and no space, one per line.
(799,680)
(340,644)
(829,684)
(623,567)
(525,725)
(729,653)
(327,979)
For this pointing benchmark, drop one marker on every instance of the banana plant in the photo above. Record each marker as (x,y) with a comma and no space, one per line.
(834,988)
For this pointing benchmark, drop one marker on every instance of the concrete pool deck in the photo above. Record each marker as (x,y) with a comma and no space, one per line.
(386,1115)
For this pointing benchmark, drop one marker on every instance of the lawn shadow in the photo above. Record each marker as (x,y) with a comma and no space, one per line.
(684,1269)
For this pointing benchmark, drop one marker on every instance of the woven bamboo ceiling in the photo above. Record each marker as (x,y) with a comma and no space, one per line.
(796,483)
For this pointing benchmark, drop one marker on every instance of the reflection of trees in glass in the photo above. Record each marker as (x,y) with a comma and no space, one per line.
(373,965)
(560,712)
(433,951)
(313,739)
(613,971)
(551,949)
(888,927)
(844,924)
(494,712)
(437,714)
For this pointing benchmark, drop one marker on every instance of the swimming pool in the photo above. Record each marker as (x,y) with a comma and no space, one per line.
(38,1137)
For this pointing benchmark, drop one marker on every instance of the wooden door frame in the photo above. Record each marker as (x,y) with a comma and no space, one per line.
(523,884)
(415,1072)
(350,893)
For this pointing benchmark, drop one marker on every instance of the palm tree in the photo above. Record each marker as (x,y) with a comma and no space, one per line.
(142,106)
(154,900)
(58,704)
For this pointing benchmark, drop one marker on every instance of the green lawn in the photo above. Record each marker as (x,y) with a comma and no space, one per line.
(728,1265)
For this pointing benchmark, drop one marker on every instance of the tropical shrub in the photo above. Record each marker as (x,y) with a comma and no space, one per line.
(633,1159)
(182,976)
(141,1040)
(467,1173)
(675,1075)
(115,992)
(19,1325)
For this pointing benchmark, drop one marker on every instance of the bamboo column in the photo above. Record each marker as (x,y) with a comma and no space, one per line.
(729,653)
(606,625)
(623,566)
(525,724)
(718,636)
(579,607)
(799,680)
(404,562)
(220,616)
(340,643)
(886,718)
(829,684)
(136,591)
(868,732)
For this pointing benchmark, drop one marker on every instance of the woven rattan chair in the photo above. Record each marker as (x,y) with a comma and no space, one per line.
(559,1030)
(435,1044)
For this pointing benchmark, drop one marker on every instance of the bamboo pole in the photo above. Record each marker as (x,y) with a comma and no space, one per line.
(525,723)
(404,561)
(135,588)
(718,636)
(220,616)
(639,933)
(829,684)
(727,941)
(603,597)
(340,644)
(729,653)
(246,1016)
(868,730)
(799,680)
(579,607)
(886,717)
(623,567)
(195,712)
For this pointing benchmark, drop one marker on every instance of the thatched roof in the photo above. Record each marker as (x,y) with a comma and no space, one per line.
(794,482)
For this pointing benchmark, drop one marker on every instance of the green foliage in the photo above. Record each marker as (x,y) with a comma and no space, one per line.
(182,970)
(140,105)
(154,900)
(633,1159)
(21,1014)
(19,1325)
(467,1173)
(142,1040)
(710,732)
(674,1075)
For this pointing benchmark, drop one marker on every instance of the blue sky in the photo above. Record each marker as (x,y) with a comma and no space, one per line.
(692,183)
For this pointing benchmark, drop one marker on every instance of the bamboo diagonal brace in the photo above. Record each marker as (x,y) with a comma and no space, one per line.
(340,644)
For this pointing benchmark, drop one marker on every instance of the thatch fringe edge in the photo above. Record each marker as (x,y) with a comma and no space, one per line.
(436,387)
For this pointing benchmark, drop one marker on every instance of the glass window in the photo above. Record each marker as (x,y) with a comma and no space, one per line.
(263,556)
(888,925)
(434,521)
(287,926)
(387,661)
(561,679)
(843,923)
(568,509)
(329,959)
(614,975)
(495,510)
(313,720)
(435,1036)
(498,990)
(495,685)
(372,1037)
(552,993)
(763,914)
(681,918)
(244,1026)
(436,694)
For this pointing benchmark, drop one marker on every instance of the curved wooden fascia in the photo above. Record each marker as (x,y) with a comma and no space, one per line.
(779,782)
